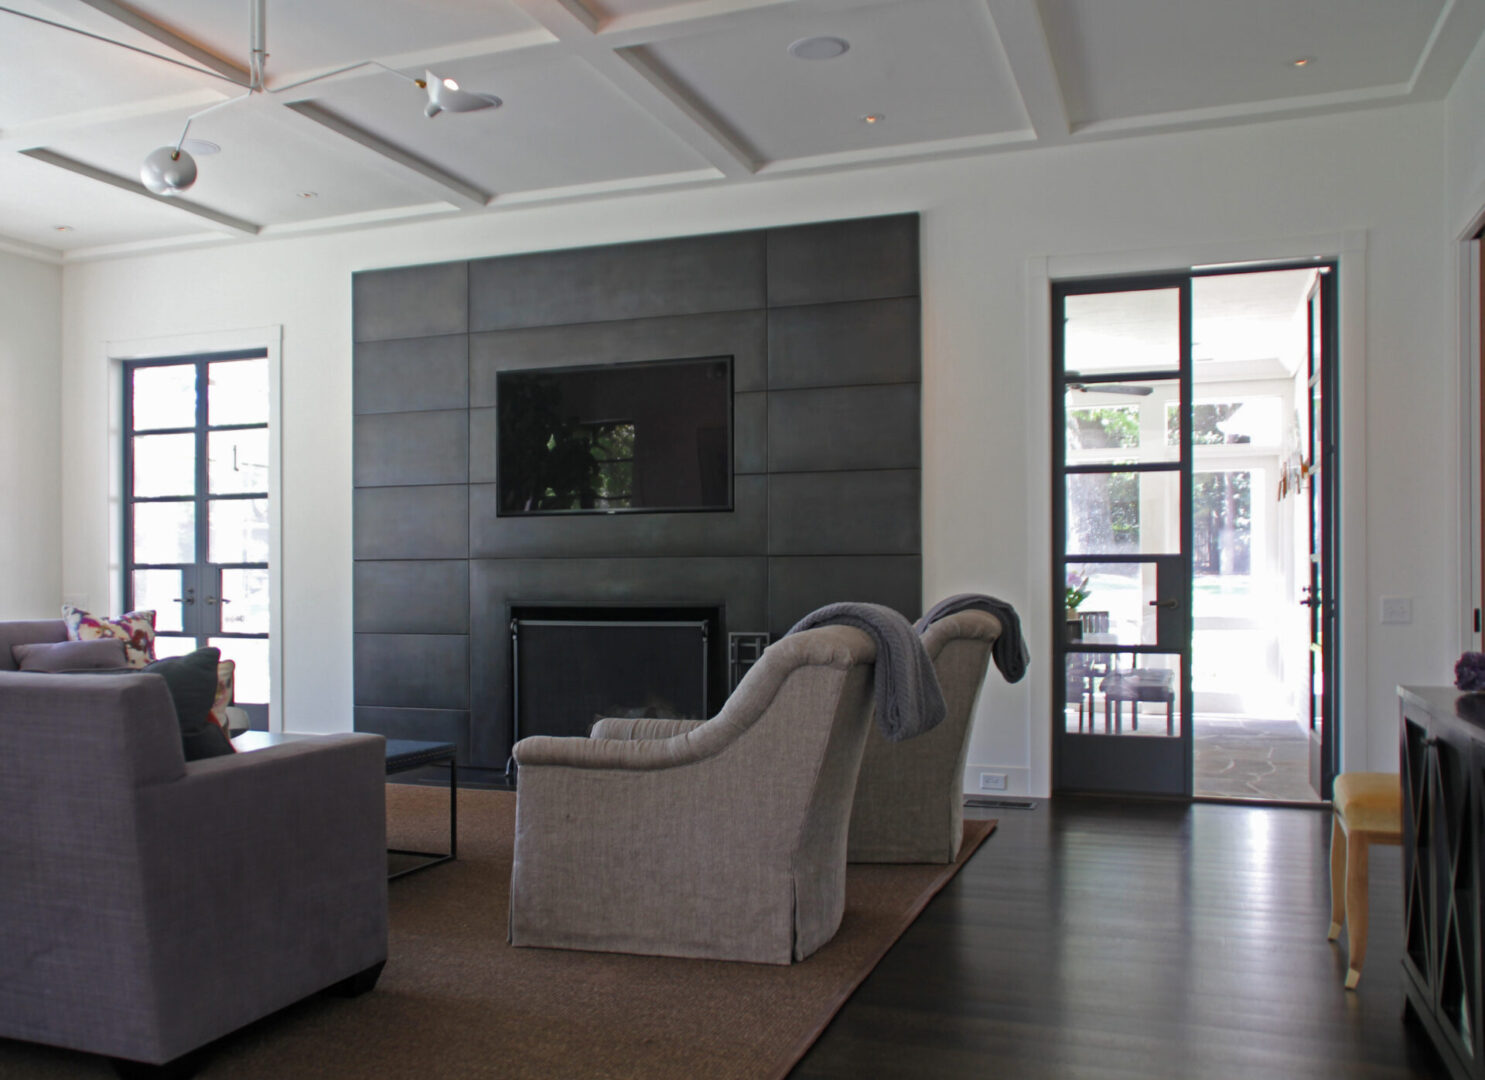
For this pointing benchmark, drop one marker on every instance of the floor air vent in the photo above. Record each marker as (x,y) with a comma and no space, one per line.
(999,804)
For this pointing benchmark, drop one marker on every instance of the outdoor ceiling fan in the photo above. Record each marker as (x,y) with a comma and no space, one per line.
(169,170)
(1107,388)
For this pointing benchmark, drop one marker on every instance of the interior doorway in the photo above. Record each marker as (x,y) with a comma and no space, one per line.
(1194,518)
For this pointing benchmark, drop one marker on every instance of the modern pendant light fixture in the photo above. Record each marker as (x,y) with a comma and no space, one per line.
(170,170)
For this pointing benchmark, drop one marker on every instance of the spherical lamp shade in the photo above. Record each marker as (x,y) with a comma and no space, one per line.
(444,95)
(168,171)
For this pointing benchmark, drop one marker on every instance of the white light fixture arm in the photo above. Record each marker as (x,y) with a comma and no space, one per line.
(210,108)
(419,83)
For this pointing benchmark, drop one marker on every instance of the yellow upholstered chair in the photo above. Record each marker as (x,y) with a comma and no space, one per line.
(1368,810)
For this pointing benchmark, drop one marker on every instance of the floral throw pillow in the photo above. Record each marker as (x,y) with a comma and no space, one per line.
(136,629)
(225,671)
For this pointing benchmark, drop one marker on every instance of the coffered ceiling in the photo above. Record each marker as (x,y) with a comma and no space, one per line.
(602,96)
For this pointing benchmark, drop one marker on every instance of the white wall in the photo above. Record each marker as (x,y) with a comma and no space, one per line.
(30,438)
(1464,135)
(985,222)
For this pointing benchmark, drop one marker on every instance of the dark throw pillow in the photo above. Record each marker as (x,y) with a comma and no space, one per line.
(57,658)
(192,680)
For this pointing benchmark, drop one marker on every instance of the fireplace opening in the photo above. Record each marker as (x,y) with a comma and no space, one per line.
(573,666)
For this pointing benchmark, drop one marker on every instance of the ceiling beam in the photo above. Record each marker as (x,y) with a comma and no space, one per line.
(137,20)
(134,187)
(442,184)
(569,23)
(1023,42)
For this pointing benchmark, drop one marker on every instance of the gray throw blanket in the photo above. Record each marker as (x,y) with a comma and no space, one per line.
(1009,651)
(909,701)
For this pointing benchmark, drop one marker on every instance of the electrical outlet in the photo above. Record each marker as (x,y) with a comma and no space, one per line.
(1397,610)
(992,781)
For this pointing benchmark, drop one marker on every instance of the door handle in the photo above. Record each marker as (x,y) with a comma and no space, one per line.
(210,601)
(189,598)
(1163,603)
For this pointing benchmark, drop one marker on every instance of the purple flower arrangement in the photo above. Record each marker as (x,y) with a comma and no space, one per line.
(1469,671)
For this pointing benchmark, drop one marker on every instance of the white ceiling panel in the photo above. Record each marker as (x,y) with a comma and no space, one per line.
(1142,57)
(262,167)
(308,36)
(35,198)
(98,74)
(561,125)
(933,69)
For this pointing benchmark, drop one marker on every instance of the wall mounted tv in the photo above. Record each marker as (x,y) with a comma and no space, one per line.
(616,438)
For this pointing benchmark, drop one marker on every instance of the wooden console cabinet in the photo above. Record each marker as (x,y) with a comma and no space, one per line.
(1443,779)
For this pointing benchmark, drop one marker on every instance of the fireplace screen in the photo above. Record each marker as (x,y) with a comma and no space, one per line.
(570,673)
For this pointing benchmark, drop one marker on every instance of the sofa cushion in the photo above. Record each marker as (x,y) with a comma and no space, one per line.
(63,656)
(136,629)
(192,680)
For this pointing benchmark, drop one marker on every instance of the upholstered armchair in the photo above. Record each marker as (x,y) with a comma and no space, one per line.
(149,905)
(723,839)
(909,805)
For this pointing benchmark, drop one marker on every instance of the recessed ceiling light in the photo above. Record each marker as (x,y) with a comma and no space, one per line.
(1303,61)
(873,118)
(819,48)
(200,147)
(62,228)
(308,194)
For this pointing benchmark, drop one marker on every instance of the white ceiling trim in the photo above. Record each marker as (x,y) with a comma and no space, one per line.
(30,251)
(1370,97)
(923,151)
(228,69)
(1453,39)
(110,114)
(1023,41)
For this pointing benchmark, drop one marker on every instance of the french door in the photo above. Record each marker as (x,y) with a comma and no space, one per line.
(1320,594)
(1122,534)
(196,527)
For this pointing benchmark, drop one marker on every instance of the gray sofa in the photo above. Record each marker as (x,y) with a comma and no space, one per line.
(149,906)
(723,839)
(909,805)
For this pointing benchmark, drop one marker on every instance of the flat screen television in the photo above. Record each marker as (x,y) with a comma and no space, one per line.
(616,438)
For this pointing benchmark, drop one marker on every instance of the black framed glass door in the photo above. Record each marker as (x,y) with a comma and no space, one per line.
(196,524)
(1122,534)
(1320,593)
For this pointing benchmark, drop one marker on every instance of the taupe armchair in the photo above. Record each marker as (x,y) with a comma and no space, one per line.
(909,805)
(723,839)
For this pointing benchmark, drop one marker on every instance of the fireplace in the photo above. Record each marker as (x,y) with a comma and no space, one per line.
(572,666)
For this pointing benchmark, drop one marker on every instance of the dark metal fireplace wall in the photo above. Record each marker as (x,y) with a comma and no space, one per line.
(572,667)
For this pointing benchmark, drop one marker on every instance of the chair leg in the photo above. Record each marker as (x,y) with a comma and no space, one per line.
(1337,878)
(1357,852)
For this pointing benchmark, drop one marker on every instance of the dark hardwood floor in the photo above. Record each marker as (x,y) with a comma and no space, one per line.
(1102,939)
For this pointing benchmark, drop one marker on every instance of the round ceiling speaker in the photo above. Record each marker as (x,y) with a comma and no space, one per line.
(819,48)
(168,171)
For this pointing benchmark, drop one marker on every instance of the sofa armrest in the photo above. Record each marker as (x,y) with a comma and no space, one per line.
(631,755)
(641,727)
(265,880)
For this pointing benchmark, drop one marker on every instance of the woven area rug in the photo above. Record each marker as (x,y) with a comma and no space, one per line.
(456,1001)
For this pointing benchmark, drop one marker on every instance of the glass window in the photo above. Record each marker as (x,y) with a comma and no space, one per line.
(1122,331)
(164,397)
(237,392)
(1124,513)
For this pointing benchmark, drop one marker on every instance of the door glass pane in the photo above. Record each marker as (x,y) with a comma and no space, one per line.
(164,465)
(238,530)
(244,601)
(1124,513)
(250,680)
(173,646)
(1122,331)
(1124,694)
(164,397)
(237,461)
(160,591)
(237,392)
(165,532)
(1117,610)
(1117,422)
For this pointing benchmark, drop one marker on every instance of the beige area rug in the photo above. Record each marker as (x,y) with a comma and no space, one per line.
(455,1000)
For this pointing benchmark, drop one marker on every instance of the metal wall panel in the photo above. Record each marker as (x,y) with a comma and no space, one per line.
(865,259)
(411,448)
(684,276)
(844,427)
(411,375)
(420,597)
(411,301)
(419,671)
(844,513)
(411,523)
(847,344)
(797,586)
